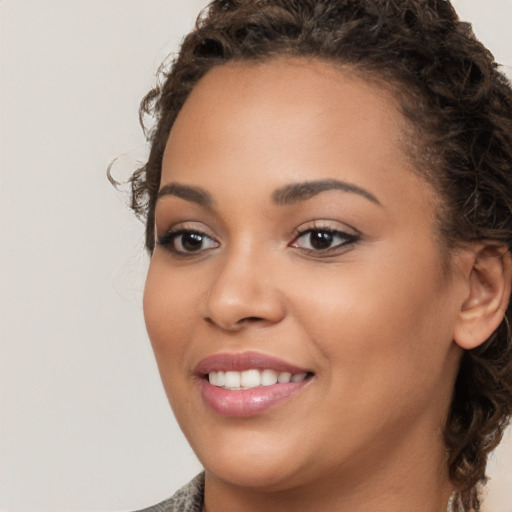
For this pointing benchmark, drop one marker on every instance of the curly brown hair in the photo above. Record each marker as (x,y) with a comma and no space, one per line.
(460,108)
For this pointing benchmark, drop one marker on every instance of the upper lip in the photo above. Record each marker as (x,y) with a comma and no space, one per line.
(245,361)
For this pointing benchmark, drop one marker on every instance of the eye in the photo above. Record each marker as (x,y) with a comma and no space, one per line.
(322,239)
(185,241)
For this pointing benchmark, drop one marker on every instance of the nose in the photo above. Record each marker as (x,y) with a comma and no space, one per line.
(242,293)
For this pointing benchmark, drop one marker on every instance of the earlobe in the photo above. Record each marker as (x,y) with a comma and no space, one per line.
(489,284)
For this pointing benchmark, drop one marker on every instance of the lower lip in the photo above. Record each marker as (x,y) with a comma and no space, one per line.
(248,402)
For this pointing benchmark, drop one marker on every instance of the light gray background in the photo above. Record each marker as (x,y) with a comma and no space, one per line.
(84,423)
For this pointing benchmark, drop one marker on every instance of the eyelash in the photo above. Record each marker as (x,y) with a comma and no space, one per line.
(347,239)
(169,239)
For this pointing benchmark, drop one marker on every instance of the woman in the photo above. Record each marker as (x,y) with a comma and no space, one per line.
(328,205)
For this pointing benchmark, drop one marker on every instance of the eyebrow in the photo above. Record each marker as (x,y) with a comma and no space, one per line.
(289,194)
(297,192)
(188,192)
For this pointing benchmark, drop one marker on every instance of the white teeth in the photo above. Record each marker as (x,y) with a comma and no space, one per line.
(250,379)
(232,379)
(284,377)
(268,377)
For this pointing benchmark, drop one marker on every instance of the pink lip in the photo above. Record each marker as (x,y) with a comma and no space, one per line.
(239,362)
(249,402)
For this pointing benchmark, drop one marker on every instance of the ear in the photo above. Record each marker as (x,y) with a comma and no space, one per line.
(489,282)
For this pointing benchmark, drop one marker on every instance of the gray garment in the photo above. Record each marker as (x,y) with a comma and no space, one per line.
(187,499)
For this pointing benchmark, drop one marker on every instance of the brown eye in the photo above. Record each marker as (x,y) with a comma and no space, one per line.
(190,241)
(322,239)
(187,242)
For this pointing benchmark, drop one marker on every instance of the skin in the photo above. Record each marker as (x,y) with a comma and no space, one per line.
(374,319)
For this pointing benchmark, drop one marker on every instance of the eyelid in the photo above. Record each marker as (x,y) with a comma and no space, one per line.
(349,235)
(327,225)
(167,238)
(193,226)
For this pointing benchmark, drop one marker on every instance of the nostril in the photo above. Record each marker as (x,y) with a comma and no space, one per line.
(251,319)
(242,321)
(235,326)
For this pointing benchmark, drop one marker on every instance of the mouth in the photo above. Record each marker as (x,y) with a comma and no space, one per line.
(250,379)
(248,384)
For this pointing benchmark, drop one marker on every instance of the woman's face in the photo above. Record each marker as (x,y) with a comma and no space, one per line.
(294,238)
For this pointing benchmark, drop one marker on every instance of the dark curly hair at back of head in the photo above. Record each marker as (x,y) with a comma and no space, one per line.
(460,109)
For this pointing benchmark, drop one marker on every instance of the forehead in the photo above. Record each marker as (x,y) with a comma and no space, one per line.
(283,105)
(288,119)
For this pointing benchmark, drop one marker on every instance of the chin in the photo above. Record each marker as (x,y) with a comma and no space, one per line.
(253,462)
(262,475)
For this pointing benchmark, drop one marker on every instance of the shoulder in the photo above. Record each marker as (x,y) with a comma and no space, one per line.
(187,499)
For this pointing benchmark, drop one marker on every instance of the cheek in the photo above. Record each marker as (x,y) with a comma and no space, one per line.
(380,351)
(379,318)
(169,306)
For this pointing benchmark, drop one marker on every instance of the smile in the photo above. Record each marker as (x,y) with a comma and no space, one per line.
(250,379)
(248,384)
